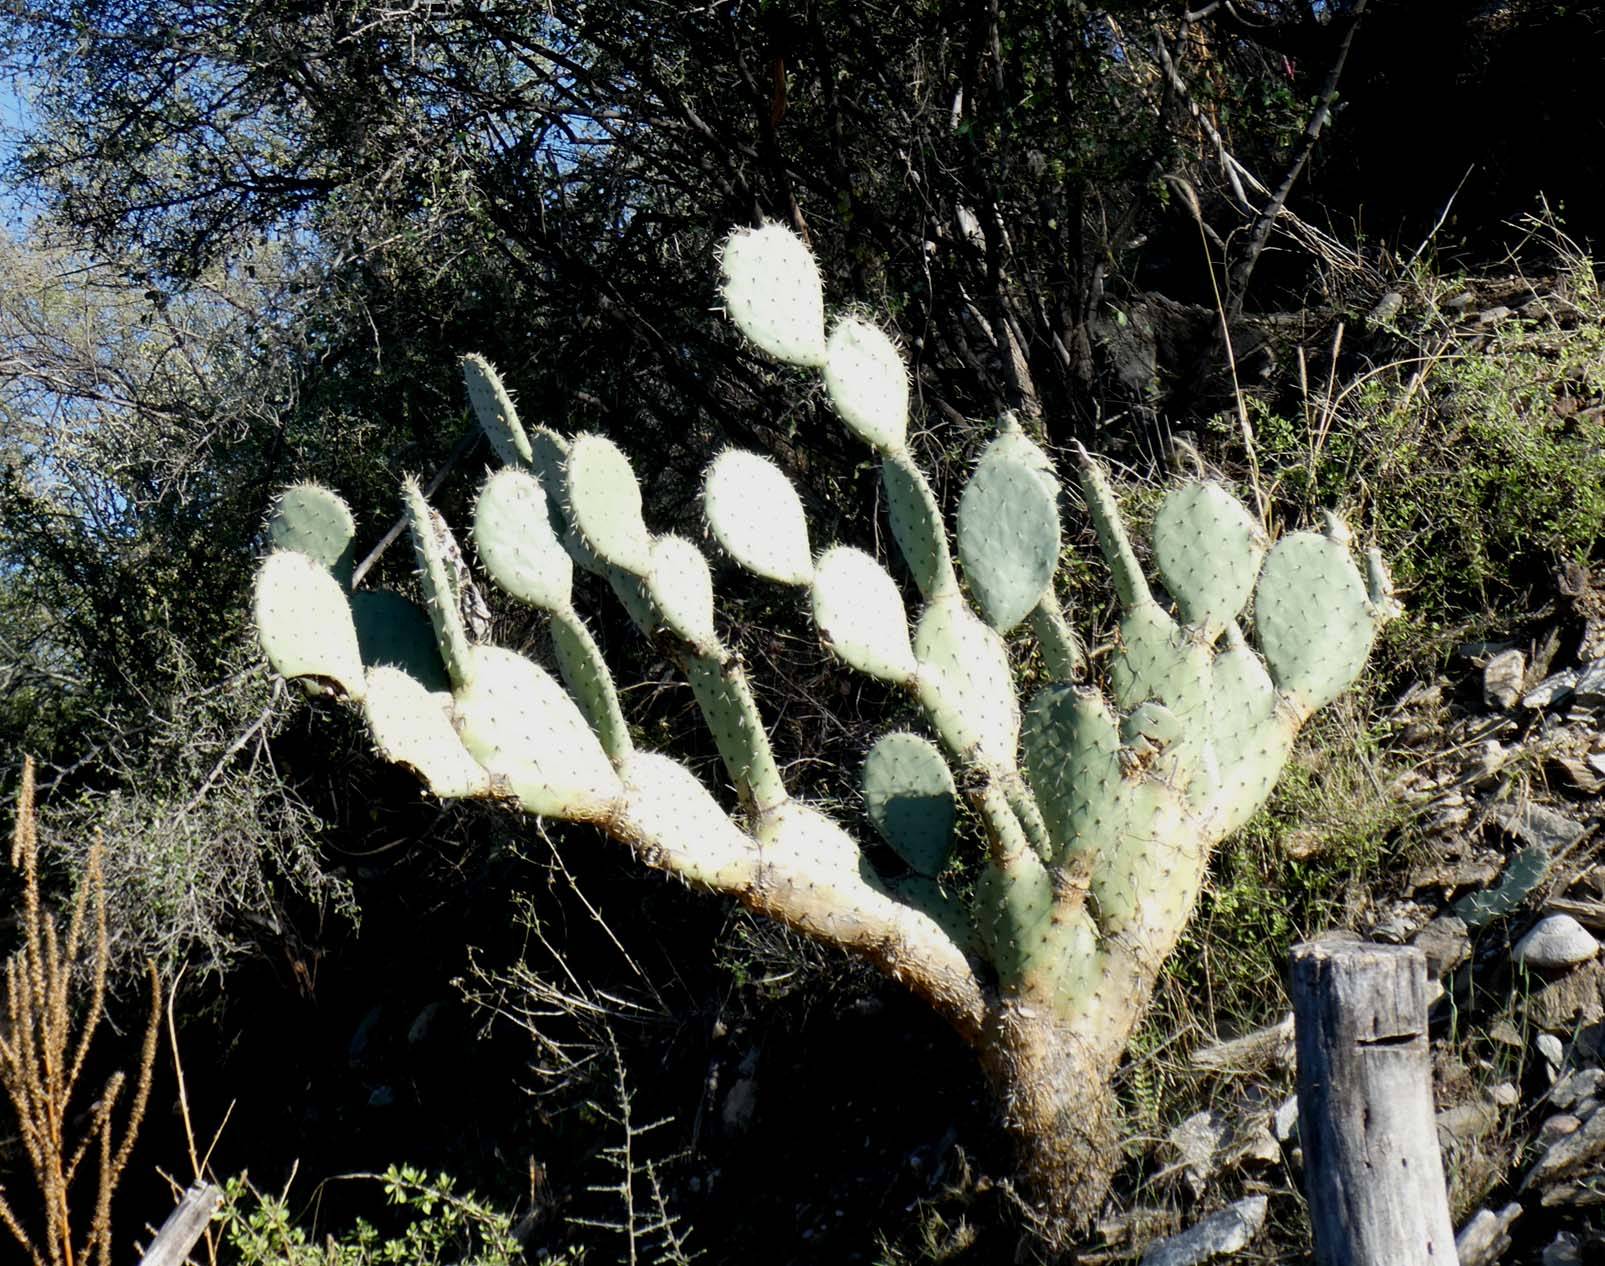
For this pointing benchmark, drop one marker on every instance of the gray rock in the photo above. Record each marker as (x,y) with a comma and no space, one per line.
(1553,1052)
(1446,944)
(1466,1123)
(1563,1250)
(1387,307)
(1583,1084)
(1402,920)
(1574,997)
(1582,1147)
(1540,827)
(1556,1128)
(1286,1118)
(1590,687)
(1198,1142)
(1557,940)
(1553,689)
(1272,1045)
(1502,678)
(1486,1238)
(1225,1232)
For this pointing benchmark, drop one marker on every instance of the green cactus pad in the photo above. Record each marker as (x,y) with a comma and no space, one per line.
(917,525)
(1061,649)
(1131,586)
(669,812)
(311,520)
(516,543)
(411,727)
(395,633)
(631,591)
(728,708)
(1252,736)
(1522,874)
(1008,530)
(550,455)
(1147,869)
(494,409)
(440,593)
(1071,744)
(303,621)
(1013,444)
(1209,550)
(802,833)
(1013,909)
(603,502)
(773,293)
(590,684)
(868,384)
(754,514)
(682,590)
(1150,723)
(860,613)
(1157,660)
(525,731)
(965,685)
(922,893)
(909,792)
(1314,619)
(1068,964)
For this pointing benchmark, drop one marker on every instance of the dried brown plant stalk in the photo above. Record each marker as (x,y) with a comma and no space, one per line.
(48,1031)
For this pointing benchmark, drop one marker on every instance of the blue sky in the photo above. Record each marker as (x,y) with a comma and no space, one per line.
(16,112)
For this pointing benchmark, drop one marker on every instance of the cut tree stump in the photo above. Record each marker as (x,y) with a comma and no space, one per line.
(1371,1165)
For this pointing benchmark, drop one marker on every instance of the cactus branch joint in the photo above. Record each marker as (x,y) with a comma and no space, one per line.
(1100,796)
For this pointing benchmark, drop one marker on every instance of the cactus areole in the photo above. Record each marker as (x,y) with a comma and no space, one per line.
(1100,796)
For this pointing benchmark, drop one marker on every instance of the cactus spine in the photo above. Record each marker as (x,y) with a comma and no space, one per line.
(1100,798)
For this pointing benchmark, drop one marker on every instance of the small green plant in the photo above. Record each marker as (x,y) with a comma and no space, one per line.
(438,1224)
(1100,782)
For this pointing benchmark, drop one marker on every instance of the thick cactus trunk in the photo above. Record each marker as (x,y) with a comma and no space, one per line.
(1054,1089)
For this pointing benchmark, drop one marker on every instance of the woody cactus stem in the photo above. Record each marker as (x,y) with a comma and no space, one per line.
(1099,798)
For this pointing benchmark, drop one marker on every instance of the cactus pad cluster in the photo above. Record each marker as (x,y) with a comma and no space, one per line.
(1099,791)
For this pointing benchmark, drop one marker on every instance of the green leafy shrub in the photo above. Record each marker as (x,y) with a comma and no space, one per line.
(435,1224)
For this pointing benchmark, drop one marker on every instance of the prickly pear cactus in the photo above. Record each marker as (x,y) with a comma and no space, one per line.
(1099,795)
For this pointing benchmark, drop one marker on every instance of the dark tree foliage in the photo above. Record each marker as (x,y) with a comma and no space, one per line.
(987,173)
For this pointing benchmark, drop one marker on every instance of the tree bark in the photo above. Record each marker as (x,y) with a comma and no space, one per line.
(1371,1164)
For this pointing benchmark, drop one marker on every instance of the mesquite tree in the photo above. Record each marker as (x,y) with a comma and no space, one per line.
(1100,796)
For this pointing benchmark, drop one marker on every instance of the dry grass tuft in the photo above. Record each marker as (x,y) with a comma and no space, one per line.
(48,1031)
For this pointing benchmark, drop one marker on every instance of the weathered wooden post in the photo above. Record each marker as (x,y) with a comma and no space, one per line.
(1371,1165)
(184,1226)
